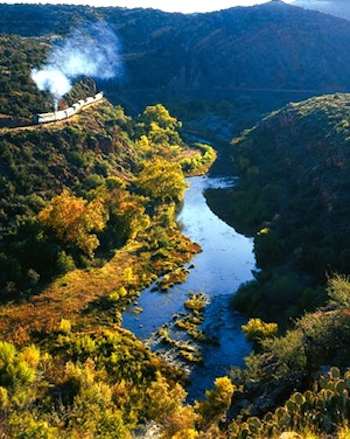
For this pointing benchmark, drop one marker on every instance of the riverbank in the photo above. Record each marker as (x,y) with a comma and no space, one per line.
(226,261)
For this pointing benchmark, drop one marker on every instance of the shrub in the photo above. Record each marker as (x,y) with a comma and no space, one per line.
(65,263)
(257,330)
(339,291)
(218,401)
(27,427)
(31,355)
(65,326)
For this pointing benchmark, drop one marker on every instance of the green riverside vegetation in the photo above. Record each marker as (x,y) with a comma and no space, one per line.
(88,220)
(293,196)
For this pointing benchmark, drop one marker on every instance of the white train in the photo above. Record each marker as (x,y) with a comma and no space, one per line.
(69,112)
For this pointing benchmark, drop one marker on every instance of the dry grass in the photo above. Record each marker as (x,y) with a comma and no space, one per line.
(64,298)
(69,295)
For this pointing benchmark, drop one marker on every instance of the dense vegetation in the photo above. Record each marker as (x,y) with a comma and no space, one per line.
(218,71)
(219,52)
(102,171)
(19,96)
(87,220)
(294,196)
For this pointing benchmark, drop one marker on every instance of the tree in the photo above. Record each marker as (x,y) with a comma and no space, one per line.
(73,220)
(166,406)
(160,115)
(128,214)
(163,181)
(159,126)
(218,401)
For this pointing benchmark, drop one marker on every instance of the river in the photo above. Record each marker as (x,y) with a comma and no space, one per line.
(226,262)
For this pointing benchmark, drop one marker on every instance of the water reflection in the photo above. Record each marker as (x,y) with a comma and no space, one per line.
(226,262)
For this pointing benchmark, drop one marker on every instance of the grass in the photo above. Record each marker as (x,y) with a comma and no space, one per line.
(68,296)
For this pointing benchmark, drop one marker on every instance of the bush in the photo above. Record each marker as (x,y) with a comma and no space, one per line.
(339,291)
(257,330)
(65,326)
(65,263)
(218,401)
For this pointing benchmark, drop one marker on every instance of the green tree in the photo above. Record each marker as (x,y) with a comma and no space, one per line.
(159,126)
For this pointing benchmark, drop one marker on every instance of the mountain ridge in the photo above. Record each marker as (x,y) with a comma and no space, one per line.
(238,47)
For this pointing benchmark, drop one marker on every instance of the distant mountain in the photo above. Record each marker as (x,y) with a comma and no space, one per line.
(270,46)
(219,72)
(339,8)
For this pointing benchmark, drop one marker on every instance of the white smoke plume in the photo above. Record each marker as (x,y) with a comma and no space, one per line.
(92,51)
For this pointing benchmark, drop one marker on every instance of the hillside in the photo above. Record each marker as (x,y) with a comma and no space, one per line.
(89,226)
(19,96)
(93,155)
(238,47)
(339,8)
(232,56)
(294,195)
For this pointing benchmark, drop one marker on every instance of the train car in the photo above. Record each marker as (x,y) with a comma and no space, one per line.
(45,117)
(60,115)
(70,112)
(42,118)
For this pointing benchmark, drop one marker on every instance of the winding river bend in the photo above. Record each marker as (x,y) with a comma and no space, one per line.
(226,262)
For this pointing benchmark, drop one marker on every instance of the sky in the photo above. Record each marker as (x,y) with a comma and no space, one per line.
(166,5)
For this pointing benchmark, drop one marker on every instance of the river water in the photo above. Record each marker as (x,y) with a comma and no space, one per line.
(226,262)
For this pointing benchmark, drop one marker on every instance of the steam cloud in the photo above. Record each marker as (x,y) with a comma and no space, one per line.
(93,51)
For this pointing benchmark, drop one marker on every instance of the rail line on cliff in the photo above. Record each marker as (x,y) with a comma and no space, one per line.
(48,119)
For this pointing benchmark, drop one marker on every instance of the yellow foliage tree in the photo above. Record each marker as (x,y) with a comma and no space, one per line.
(257,329)
(215,407)
(73,220)
(130,211)
(162,180)
(160,115)
(166,407)
(159,127)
